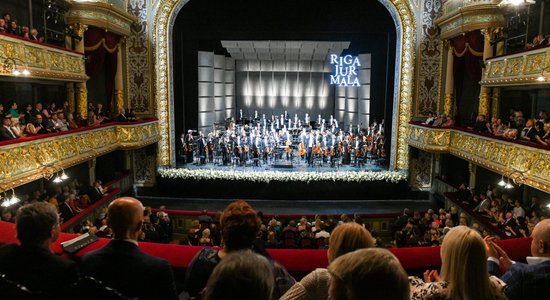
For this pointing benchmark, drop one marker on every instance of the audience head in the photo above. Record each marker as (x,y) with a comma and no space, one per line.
(540,245)
(37,224)
(368,274)
(239,226)
(6,121)
(348,237)
(241,275)
(125,217)
(466,280)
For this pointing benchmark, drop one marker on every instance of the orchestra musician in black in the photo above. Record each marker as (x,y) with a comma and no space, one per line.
(189,140)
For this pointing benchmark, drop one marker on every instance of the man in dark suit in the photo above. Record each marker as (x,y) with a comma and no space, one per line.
(122,265)
(65,209)
(525,281)
(5,132)
(121,116)
(96,192)
(33,264)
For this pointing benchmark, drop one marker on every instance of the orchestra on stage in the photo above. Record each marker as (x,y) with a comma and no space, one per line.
(284,140)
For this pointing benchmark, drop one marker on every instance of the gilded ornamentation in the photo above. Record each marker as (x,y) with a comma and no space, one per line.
(484,102)
(517,69)
(82,99)
(429,60)
(36,158)
(472,15)
(496,155)
(495,104)
(448,105)
(45,62)
(102,15)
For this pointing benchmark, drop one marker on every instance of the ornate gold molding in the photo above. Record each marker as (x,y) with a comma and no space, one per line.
(102,15)
(496,155)
(403,12)
(448,104)
(517,69)
(469,16)
(484,102)
(38,158)
(45,62)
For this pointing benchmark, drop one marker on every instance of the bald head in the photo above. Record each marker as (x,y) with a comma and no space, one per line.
(125,217)
(540,246)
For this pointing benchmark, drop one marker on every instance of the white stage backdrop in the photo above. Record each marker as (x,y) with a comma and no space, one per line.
(272,86)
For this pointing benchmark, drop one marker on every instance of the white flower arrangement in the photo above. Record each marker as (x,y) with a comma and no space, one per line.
(267,176)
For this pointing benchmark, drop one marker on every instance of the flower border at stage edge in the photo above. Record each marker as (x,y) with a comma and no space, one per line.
(267,176)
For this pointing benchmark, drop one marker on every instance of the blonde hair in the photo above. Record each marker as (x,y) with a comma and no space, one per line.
(348,237)
(373,273)
(464,265)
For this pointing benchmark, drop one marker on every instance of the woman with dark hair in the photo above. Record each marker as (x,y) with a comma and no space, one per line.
(239,227)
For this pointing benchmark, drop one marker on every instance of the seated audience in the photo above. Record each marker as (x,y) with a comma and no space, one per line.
(463,271)
(93,120)
(32,263)
(481,124)
(36,127)
(241,275)
(525,281)
(3,28)
(529,132)
(34,36)
(71,121)
(368,274)
(122,265)
(239,226)
(345,238)
(121,116)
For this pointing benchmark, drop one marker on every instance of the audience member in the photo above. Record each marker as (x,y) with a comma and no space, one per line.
(239,226)
(6,133)
(32,263)
(121,117)
(463,271)
(368,274)
(122,265)
(241,275)
(529,132)
(345,238)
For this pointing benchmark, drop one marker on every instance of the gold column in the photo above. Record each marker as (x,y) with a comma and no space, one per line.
(449,82)
(495,103)
(484,91)
(81,90)
(119,95)
(70,96)
(473,171)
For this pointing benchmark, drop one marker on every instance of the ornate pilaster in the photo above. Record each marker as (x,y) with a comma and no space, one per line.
(484,91)
(119,78)
(82,99)
(449,82)
(70,96)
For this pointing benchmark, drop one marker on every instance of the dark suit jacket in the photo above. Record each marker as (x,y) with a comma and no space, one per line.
(525,281)
(123,266)
(121,118)
(66,211)
(94,194)
(5,134)
(38,269)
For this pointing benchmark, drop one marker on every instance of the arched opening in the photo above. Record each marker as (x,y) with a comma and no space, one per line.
(165,15)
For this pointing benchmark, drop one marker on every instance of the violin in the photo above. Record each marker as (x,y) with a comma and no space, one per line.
(301,149)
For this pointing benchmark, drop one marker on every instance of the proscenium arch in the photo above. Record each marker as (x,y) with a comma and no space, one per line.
(402,12)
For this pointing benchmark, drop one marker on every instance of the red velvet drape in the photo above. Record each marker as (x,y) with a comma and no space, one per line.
(468,53)
(101,50)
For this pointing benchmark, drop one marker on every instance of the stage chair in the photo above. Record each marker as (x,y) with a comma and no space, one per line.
(89,288)
(11,290)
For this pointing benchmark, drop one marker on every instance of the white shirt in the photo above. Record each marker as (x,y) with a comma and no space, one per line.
(321,234)
(518,212)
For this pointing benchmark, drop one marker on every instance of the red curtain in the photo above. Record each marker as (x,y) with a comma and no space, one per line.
(468,54)
(101,50)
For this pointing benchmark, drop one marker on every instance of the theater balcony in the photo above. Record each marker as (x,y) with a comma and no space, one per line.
(22,57)
(522,162)
(464,16)
(30,158)
(110,15)
(522,68)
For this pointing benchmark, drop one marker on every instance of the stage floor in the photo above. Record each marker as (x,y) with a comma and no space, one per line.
(294,165)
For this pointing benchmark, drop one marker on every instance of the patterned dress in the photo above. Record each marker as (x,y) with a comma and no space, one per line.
(420,290)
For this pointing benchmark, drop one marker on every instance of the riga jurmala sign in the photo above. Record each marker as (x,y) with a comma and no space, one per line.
(345,70)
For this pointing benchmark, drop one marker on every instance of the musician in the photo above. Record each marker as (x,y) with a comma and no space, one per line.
(202,149)
(256,150)
(226,150)
(357,149)
(181,145)
(310,142)
(306,119)
(346,151)
(266,145)
(210,142)
(189,146)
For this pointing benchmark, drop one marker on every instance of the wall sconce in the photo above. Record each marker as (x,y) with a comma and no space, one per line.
(518,179)
(542,77)
(10,65)
(9,201)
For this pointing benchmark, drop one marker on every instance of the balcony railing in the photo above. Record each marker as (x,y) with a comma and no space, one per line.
(523,68)
(500,155)
(44,61)
(27,159)
(461,16)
